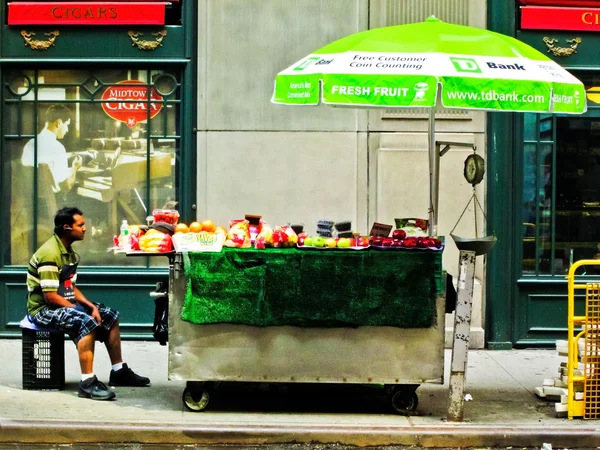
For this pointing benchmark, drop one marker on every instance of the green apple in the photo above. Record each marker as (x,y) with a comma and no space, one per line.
(318,241)
(343,243)
(309,241)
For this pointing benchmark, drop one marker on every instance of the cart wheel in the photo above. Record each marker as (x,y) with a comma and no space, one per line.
(195,397)
(404,401)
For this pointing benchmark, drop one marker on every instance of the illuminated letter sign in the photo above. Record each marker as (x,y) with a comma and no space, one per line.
(128,102)
(549,18)
(86,13)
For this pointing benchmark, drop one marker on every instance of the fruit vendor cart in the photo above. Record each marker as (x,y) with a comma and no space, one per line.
(307,316)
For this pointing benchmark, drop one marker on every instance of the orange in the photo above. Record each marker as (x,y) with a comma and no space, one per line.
(195,227)
(208,225)
(181,228)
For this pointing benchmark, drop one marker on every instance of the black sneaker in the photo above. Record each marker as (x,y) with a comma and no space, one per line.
(94,389)
(127,377)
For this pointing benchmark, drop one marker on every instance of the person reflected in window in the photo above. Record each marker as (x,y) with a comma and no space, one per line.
(51,152)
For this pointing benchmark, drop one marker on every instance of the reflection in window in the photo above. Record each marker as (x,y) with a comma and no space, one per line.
(578,187)
(106,141)
(561,193)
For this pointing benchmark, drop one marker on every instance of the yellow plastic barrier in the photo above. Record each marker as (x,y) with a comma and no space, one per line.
(584,389)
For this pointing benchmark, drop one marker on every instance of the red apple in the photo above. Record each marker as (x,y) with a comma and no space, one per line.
(420,223)
(301,240)
(387,242)
(437,243)
(398,234)
(422,242)
(352,242)
(377,240)
(363,241)
(410,242)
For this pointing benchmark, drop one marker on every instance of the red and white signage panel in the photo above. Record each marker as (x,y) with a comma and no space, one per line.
(575,3)
(548,18)
(86,13)
(128,102)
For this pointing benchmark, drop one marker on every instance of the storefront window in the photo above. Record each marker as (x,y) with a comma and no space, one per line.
(561,188)
(106,141)
(537,192)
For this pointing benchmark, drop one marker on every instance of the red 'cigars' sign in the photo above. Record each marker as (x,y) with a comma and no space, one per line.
(86,13)
(128,102)
(549,18)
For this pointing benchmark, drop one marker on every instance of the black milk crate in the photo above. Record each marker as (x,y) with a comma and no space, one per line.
(43,359)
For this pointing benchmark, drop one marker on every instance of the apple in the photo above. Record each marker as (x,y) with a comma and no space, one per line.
(437,243)
(330,242)
(352,242)
(303,234)
(398,234)
(377,240)
(425,242)
(387,242)
(318,241)
(410,242)
(363,241)
(420,223)
(343,242)
(301,240)
(309,241)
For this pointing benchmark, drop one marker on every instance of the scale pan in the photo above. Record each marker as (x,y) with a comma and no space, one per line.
(480,245)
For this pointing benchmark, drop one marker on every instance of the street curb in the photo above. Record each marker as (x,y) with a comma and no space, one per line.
(459,435)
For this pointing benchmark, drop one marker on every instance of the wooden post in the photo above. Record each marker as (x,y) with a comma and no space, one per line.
(462,328)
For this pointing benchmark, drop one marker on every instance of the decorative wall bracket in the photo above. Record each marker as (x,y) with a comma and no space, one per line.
(147,45)
(562,51)
(36,44)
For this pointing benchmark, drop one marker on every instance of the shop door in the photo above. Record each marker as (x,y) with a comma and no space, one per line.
(559,218)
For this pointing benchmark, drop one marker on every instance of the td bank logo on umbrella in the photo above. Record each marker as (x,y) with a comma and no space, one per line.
(465,65)
(310,61)
(468,65)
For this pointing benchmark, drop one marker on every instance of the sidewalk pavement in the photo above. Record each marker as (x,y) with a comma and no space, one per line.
(504,411)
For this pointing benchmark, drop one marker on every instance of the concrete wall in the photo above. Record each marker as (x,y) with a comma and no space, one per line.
(304,164)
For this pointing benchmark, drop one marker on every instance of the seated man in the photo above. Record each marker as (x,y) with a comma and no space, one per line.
(54,301)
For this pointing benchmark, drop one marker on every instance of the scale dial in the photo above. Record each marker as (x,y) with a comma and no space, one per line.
(474,169)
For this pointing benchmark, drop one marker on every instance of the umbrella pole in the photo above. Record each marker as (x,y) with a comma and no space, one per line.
(434,175)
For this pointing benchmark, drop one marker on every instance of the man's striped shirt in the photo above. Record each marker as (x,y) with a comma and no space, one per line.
(44,270)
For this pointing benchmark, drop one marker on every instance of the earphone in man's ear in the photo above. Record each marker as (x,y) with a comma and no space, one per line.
(68,228)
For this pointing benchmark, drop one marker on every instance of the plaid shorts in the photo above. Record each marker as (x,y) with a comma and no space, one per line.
(76,322)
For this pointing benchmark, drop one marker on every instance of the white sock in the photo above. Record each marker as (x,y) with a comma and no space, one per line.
(85,376)
(117,366)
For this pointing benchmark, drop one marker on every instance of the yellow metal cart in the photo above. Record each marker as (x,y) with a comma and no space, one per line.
(584,386)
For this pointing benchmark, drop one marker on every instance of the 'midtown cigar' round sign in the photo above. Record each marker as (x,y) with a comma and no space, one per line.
(130,100)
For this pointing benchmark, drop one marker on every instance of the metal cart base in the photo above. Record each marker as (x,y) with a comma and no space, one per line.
(400,358)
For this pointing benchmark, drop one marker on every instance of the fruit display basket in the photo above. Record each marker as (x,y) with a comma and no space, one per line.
(223,346)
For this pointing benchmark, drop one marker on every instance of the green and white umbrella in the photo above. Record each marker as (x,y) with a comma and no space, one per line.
(408,66)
